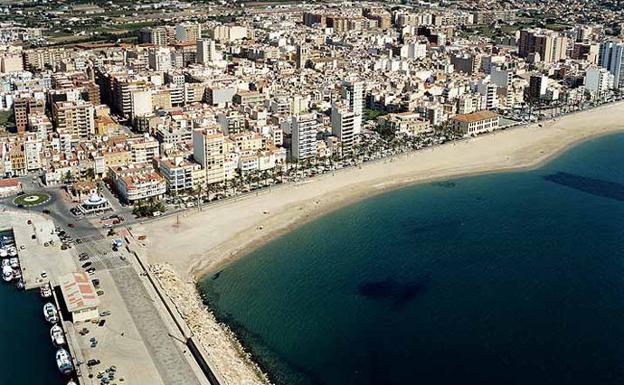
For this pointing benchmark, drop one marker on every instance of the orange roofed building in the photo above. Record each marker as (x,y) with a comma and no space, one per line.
(80,296)
(477,122)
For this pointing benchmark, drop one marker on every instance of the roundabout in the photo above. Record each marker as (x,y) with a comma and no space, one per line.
(31,199)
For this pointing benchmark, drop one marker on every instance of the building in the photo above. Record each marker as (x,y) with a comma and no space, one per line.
(23,107)
(304,129)
(182,175)
(599,80)
(549,45)
(538,84)
(134,184)
(206,51)
(406,123)
(75,118)
(343,127)
(159,59)
(10,186)
(476,123)
(95,204)
(188,32)
(80,297)
(611,57)
(208,151)
(355,99)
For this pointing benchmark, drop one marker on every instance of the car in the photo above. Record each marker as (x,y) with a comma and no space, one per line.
(46,211)
(96,282)
(100,292)
(29,222)
(81,255)
(89,269)
(44,274)
(86,265)
(102,322)
(93,362)
(71,225)
(105,313)
(82,259)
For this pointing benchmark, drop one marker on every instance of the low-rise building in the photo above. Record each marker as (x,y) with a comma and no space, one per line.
(476,123)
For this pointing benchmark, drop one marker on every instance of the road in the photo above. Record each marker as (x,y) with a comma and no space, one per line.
(166,353)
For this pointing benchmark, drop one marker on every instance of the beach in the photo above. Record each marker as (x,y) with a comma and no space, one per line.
(183,248)
(200,242)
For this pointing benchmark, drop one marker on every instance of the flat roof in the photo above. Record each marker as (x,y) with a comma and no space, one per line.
(78,291)
(476,116)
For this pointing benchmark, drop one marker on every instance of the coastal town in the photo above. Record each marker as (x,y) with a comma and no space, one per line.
(146,144)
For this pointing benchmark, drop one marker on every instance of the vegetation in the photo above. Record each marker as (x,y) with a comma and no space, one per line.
(148,208)
(31,199)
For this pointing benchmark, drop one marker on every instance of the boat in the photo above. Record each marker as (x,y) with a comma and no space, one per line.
(50,313)
(6,262)
(14,262)
(71,382)
(63,361)
(21,284)
(4,252)
(12,252)
(57,336)
(7,273)
(17,274)
(45,291)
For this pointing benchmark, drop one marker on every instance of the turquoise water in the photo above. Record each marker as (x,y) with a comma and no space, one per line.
(511,278)
(26,353)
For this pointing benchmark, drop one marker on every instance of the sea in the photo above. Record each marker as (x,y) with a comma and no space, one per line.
(26,351)
(27,355)
(503,278)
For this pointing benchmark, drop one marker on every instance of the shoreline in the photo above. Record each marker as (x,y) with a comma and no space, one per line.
(231,229)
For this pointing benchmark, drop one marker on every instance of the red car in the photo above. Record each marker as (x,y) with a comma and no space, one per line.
(71,225)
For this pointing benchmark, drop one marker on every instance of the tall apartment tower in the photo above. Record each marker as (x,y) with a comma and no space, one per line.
(549,45)
(208,151)
(343,127)
(354,93)
(206,51)
(611,57)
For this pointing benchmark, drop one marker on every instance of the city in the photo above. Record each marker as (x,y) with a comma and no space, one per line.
(122,123)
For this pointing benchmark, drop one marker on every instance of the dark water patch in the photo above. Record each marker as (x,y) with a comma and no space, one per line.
(599,187)
(444,184)
(389,289)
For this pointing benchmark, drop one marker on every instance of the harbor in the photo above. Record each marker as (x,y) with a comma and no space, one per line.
(103,320)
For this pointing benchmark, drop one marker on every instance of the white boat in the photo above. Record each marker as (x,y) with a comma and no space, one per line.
(57,336)
(4,252)
(14,262)
(17,274)
(71,382)
(12,251)
(45,291)
(63,361)
(50,313)
(7,273)
(6,262)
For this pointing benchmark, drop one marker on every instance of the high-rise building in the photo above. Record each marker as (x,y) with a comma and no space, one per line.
(611,57)
(206,51)
(188,32)
(159,59)
(22,108)
(304,129)
(354,93)
(549,45)
(537,87)
(75,118)
(208,151)
(598,80)
(343,127)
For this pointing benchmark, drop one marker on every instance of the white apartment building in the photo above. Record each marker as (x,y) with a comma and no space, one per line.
(304,129)
(599,80)
(343,127)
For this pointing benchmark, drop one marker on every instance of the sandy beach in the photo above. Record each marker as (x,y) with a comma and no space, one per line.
(204,241)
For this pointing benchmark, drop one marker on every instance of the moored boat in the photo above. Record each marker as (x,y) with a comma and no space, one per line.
(57,335)
(12,251)
(63,361)
(45,291)
(7,273)
(50,313)
(14,262)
